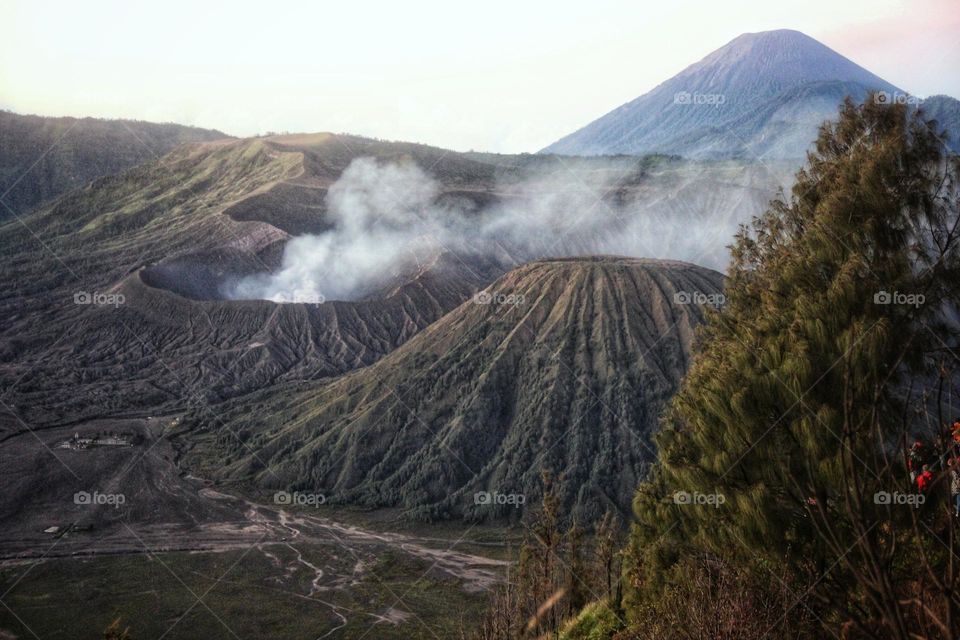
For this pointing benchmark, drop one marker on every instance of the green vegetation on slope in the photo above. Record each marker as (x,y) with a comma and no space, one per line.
(798,409)
(42,158)
(782,502)
(559,570)
(539,371)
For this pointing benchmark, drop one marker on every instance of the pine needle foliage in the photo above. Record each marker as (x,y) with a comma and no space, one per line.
(806,387)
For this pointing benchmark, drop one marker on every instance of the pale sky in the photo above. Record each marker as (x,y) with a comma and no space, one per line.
(495,75)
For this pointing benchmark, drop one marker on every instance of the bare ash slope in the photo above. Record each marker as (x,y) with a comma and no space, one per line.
(560,364)
(166,234)
(163,235)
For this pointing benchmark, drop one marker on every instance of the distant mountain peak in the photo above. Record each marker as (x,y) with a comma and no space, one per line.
(779,37)
(484,387)
(761,94)
(774,43)
(785,55)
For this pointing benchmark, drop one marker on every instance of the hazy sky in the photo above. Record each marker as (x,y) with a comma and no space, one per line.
(495,75)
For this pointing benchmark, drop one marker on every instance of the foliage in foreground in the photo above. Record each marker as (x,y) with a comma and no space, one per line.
(559,571)
(783,503)
(596,621)
(783,457)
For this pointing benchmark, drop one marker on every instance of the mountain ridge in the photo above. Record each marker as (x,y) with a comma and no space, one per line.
(42,157)
(696,112)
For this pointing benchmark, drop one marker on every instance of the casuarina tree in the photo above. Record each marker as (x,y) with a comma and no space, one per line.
(784,453)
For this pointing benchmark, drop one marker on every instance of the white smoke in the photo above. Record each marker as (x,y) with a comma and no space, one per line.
(388,217)
(383,215)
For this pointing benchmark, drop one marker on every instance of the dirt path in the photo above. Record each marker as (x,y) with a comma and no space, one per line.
(300,552)
(477,573)
(267,528)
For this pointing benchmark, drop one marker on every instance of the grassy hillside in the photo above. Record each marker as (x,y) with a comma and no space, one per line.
(560,364)
(42,158)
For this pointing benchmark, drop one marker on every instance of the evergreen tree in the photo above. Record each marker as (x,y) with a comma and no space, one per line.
(576,588)
(605,555)
(792,423)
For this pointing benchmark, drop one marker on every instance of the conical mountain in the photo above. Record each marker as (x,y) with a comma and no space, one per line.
(561,365)
(760,95)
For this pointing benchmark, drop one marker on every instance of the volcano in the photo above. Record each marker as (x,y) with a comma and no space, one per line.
(761,96)
(561,365)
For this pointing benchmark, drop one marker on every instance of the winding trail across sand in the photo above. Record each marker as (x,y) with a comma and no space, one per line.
(265,527)
(309,555)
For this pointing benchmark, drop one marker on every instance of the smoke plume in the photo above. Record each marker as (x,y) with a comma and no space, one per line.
(387,217)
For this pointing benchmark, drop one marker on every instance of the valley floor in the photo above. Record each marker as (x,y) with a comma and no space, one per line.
(181,559)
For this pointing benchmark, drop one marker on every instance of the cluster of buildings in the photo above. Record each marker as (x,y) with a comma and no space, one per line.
(106,440)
